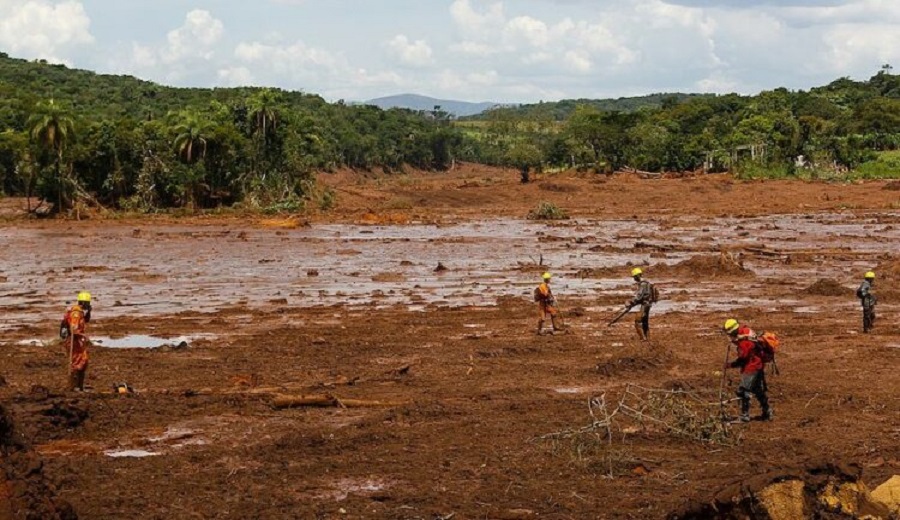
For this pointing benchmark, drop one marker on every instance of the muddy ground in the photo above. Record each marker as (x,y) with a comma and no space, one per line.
(466,396)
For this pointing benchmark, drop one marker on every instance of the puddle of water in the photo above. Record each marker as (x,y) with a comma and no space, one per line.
(571,390)
(139,454)
(140,341)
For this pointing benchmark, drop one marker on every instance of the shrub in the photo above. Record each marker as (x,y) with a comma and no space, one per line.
(547,211)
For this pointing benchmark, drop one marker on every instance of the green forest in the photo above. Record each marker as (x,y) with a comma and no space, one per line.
(70,136)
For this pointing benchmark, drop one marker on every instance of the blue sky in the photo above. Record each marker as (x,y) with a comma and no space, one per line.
(476,50)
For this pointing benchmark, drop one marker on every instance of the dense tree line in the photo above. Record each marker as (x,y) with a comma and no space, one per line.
(68,135)
(837,127)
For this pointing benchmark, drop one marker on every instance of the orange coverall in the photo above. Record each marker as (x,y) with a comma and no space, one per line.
(546,306)
(76,320)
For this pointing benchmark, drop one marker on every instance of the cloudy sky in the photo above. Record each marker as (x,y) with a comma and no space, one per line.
(476,50)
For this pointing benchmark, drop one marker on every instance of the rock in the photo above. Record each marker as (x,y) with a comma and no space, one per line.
(852,498)
(888,494)
(784,500)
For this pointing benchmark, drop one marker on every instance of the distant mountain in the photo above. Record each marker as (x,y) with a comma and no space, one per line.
(417,102)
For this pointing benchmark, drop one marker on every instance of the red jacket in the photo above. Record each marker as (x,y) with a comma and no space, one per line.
(748,356)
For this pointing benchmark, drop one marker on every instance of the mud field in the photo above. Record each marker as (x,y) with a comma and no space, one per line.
(452,406)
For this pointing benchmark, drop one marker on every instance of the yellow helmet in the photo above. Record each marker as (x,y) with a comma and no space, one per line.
(636,272)
(84,296)
(546,276)
(870,275)
(731,325)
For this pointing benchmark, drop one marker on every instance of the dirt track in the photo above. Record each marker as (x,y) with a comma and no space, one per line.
(470,389)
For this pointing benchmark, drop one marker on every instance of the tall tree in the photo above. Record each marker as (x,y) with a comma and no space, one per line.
(261,108)
(52,128)
(191,133)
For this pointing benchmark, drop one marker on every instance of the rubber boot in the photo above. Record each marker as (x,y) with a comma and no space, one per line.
(767,414)
(72,384)
(540,327)
(79,380)
(639,327)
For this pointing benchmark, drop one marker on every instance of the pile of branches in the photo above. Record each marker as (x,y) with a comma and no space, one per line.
(679,413)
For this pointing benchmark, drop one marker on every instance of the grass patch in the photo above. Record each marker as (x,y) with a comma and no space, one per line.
(885,166)
(548,211)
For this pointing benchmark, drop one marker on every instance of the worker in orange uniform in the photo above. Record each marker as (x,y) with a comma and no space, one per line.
(546,304)
(72,331)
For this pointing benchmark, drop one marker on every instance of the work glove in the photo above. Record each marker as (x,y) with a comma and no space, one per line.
(63,332)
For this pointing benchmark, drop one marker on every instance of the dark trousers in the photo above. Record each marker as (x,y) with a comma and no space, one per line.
(753,385)
(642,322)
(868,317)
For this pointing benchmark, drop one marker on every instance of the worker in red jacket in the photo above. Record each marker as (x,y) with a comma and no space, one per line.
(753,369)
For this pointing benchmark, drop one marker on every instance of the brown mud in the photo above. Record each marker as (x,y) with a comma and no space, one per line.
(451,396)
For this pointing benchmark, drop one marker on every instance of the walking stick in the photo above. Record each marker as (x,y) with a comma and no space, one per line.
(722,382)
(70,342)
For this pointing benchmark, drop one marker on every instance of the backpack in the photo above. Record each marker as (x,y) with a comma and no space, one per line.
(767,345)
(654,293)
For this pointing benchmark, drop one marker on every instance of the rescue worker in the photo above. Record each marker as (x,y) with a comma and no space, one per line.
(546,304)
(644,298)
(753,370)
(868,300)
(72,331)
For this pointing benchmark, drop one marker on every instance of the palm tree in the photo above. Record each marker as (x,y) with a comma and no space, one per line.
(191,133)
(261,108)
(51,127)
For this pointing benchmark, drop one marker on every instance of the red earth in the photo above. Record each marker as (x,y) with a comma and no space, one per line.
(452,400)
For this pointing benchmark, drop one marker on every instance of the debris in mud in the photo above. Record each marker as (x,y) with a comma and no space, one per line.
(817,491)
(2,382)
(827,287)
(440,268)
(312,272)
(892,186)
(725,264)
(389,278)
(328,400)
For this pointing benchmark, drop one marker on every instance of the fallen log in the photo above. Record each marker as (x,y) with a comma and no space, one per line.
(280,402)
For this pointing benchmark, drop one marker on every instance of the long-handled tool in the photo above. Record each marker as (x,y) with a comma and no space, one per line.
(559,315)
(620,315)
(722,383)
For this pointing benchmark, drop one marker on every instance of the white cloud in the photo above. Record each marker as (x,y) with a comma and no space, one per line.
(848,46)
(195,39)
(188,51)
(414,54)
(500,50)
(44,29)
(236,76)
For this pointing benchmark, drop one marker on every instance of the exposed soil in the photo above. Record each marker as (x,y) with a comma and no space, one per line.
(449,395)
(827,287)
